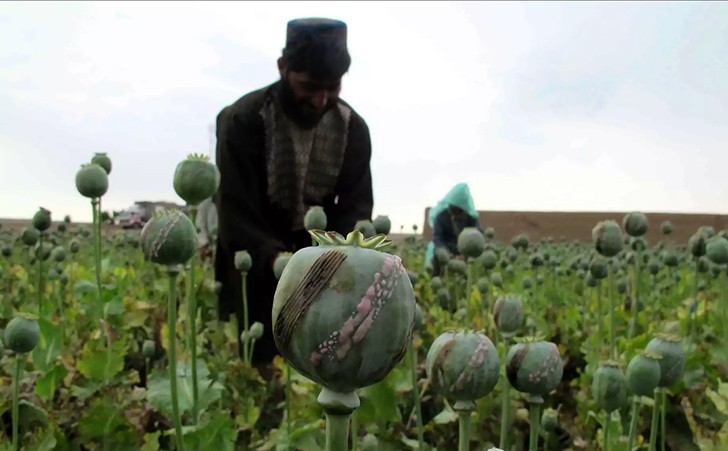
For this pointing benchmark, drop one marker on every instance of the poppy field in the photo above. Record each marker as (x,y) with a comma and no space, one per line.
(111,339)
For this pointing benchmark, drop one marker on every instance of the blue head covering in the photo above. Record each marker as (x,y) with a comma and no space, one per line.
(459,196)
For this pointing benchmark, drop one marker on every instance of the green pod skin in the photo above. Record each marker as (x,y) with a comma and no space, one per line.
(635,224)
(527,283)
(149,348)
(30,236)
(256,330)
(42,251)
(382,225)
(243,261)
(343,311)
(483,284)
(670,258)
(92,181)
(457,266)
(315,218)
(598,268)
(536,260)
(463,366)
(489,233)
(549,419)
(697,244)
(169,238)
(280,263)
(61,227)
(496,279)
(639,244)
(716,249)
(622,285)
(653,267)
(42,219)
(643,373)
(471,243)
(103,160)
(443,298)
(74,246)
(672,363)
(708,231)
(666,228)
(522,241)
(607,238)
(7,251)
(489,259)
(511,255)
(508,313)
(534,368)
(436,283)
(703,265)
(67,219)
(609,387)
(418,318)
(366,228)
(58,254)
(196,179)
(442,255)
(22,334)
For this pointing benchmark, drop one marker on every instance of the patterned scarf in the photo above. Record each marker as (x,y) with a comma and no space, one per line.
(303,164)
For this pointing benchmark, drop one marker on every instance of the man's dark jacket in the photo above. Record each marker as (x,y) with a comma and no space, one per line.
(248,220)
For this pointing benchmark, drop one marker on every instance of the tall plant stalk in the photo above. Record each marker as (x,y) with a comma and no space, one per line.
(192,325)
(416,394)
(612,314)
(16,395)
(505,407)
(173,272)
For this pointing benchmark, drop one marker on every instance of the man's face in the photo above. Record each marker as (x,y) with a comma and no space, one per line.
(457,213)
(307,98)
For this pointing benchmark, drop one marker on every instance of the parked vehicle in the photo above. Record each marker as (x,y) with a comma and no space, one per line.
(142,211)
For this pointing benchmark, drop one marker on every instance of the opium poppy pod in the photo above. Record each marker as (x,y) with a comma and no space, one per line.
(607,238)
(366,228)
(169,238)
(22,333)
(672,363)
(42,219)
(196,179)
(30,236)
(92,181)
(609,387)
(643,373)
(463,366)
(343,311)
(471,243)
(315,218)
(102,160)
(382,225)
(716,250)
(535,367)
(508,314)
(635,224)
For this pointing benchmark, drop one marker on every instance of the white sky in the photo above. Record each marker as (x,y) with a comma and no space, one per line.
(538,106)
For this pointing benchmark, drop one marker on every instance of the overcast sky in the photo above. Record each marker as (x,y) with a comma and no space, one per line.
(538,106)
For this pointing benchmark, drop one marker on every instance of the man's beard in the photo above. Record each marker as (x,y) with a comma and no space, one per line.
(294,109)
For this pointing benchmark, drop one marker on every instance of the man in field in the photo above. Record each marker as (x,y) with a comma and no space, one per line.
(280,150)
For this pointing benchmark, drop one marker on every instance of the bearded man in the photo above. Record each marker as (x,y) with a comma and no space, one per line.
(280,150)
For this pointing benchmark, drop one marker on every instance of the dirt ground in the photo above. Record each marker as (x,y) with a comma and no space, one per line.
(579,225)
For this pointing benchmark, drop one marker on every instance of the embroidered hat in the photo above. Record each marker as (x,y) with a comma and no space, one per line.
(302,31)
